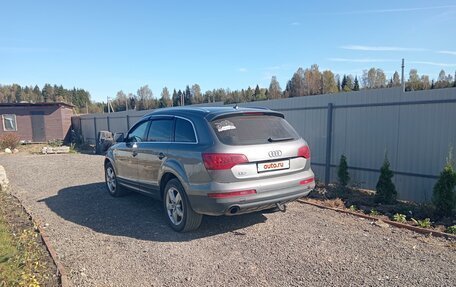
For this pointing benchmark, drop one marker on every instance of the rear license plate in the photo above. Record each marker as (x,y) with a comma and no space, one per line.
(273,165)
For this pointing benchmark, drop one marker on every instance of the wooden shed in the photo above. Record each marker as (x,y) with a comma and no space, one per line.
(37,122)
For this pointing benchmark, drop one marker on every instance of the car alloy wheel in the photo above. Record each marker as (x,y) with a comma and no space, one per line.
(111,179)
(174,206)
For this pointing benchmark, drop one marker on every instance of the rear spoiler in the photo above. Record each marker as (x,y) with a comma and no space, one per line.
(211,117)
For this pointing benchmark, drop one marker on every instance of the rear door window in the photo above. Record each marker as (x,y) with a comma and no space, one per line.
(160,131)
(184,131)
(253,129)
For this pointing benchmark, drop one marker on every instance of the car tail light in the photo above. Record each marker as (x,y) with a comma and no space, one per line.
(307,181)
(231,194)
(304,151)
(220,161)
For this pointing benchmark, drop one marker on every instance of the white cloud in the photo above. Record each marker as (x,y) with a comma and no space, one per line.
(362,60)
(242,70)
(379,48)
(432,63)
(396,10)
(447,52)
(279,67)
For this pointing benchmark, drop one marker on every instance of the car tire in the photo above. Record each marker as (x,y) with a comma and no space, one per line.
(112,185)
(178,212)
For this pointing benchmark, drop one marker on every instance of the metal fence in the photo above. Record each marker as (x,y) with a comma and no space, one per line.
(414,129)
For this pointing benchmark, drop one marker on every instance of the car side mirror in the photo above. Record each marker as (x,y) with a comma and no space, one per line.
(119,137)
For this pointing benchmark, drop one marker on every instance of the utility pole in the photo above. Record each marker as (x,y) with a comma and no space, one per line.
(403,79)
(107,103)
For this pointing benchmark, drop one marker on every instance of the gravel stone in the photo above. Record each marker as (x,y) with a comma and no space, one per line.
(105,241)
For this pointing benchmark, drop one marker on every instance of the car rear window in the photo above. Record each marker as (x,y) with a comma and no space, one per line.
(250,130)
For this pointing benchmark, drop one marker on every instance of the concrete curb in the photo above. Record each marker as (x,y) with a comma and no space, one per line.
(390,222)
(60,269)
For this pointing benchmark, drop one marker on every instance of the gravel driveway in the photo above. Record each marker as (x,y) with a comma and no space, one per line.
(105,241)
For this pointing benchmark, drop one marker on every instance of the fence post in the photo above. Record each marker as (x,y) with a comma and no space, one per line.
(128,122)
(329,121)
(107,121)
(95,128)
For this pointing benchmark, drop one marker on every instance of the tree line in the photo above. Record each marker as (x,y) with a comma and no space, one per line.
(80,98)
(304,82)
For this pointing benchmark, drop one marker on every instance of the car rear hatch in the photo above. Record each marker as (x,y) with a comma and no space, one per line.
(255,145)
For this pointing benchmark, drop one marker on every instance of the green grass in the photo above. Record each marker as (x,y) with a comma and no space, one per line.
(7,248)
(20,252)
(9,269)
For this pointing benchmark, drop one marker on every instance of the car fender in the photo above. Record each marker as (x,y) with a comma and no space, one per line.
(174,167)
(109,157)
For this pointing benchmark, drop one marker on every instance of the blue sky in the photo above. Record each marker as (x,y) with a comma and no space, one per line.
(107,46)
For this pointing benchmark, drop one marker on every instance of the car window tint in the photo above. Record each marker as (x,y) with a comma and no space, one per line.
(184,131)
(160,131)
(250,130)
(137,134)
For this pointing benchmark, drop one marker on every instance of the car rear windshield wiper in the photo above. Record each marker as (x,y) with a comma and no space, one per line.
(271,140)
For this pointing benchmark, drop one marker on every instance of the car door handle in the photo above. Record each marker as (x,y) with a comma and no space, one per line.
(161,156)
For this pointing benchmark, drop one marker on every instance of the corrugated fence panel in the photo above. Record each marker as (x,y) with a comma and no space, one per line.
(366,125)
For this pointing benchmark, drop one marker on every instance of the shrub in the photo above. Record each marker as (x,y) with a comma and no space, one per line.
(398,217)
(451,229)
(342,172)
(386,191)
(443,195)
(425,223)
(374,212)
(55,143)
(9,140)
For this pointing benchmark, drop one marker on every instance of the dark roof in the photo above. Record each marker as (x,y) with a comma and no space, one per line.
(35,104)
(208,112)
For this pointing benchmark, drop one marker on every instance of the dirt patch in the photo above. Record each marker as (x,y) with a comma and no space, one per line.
(31,148)
(25,260)
(364,202)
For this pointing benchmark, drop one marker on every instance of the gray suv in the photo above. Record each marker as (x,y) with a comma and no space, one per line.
(211,160)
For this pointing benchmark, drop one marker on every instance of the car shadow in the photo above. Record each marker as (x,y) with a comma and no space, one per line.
(135,215)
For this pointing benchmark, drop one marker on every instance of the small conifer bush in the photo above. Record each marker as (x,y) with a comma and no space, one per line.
(443,196)
(386,190)
(342,172)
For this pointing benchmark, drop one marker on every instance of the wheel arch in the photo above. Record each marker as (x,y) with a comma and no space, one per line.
(167,176)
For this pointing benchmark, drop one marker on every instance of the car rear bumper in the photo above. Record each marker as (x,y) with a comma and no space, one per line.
(269,193)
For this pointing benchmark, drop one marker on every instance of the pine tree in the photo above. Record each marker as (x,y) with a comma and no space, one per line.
(386,191)
(257,93)
(188,96)
(444,193)
(342,171)
(344,83)
(356,85)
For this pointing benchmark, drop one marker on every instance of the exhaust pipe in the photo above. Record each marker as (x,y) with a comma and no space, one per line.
(233,210)
(281,207)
